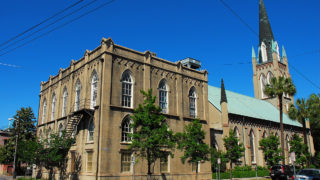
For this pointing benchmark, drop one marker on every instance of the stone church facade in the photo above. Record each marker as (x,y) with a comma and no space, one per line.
(94,97)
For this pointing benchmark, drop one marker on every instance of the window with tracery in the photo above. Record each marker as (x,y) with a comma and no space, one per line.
(163,96)
(252,148)
(193,102)
(94,90)
(64,102)
(77,98)
(126,130)
(53,106)
(127,82)
(91,131)
(44,111)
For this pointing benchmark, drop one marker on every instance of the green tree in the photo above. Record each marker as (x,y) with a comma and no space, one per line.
(215,154)
(271,150)
(300,149)
(277,88)
(25,118)
(234,149)
(151,137)
(191,141)
(52,152)
(313,104)
(300,113)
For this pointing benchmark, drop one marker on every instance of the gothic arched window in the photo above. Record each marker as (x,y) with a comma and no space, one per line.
(269,77)
(64,101)
(126,130)
(262,85)
(163,96)
(193,102)
(252,148)
(40,135)
(94,89)
(264,52)
(264,135)
(127,82)
(60,129)
(77,98)
(91,130)
(44,110)
(236,132)
(53,106)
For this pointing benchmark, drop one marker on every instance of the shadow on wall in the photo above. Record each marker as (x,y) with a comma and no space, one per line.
(75,167)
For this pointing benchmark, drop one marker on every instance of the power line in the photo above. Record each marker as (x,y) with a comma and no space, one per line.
(58,27)
(52,23)
(35,26)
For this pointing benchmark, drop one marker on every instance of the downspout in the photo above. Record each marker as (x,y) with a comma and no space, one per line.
(100,109)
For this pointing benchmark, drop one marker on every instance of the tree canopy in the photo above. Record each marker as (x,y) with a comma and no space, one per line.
(271,150)
(151,138)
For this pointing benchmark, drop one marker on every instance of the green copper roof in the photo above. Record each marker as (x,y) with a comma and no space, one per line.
(248,106)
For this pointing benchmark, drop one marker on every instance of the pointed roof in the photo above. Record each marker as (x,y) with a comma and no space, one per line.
(265,31)
(223,93)
(253,53)
(284,54)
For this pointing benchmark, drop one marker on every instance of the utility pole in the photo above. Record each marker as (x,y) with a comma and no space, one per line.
(15,151)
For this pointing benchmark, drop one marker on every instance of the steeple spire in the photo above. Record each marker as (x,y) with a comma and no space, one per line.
(265,31)
(223,93)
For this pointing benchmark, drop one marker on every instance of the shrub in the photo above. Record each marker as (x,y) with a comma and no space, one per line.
(241,174)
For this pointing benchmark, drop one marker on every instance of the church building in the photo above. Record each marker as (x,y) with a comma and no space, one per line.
(253,119)
(95,96)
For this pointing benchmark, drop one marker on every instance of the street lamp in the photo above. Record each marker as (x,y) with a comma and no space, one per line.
(15,149)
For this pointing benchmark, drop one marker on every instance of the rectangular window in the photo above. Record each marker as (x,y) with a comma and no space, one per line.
(194,167)
(125,162)
(192,107)
(73,162)
(126,94)
(164,164)
(89,161)
(163,100)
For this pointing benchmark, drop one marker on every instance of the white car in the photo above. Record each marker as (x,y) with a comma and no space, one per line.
(308,174)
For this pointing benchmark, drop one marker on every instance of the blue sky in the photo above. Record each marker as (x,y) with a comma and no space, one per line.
(205,30)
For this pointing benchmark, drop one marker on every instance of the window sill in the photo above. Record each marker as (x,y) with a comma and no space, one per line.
(125,143)
(113,107)
(89,142)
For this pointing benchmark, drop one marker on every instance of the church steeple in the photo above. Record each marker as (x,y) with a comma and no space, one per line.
(266,37)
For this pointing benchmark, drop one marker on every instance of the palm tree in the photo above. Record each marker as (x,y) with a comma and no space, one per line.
(300,112)
(277,88)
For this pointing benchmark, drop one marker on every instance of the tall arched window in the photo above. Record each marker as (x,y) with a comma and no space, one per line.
(64,102)
(193,102)
(288,147)
(163,96)
(77,98)
(127,82)
(264,135)
(49,134)
(91,130)
(53,106)
(40,135)
(60,129)
(44,110)
(126,130)
(264,52)
(262,85)
(236,131)
(252,148)
(94,89)
(269,77)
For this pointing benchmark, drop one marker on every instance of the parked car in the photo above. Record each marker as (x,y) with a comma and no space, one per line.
(308,174)
(281,172)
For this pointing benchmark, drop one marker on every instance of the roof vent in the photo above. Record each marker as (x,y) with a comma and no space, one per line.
(191,63)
